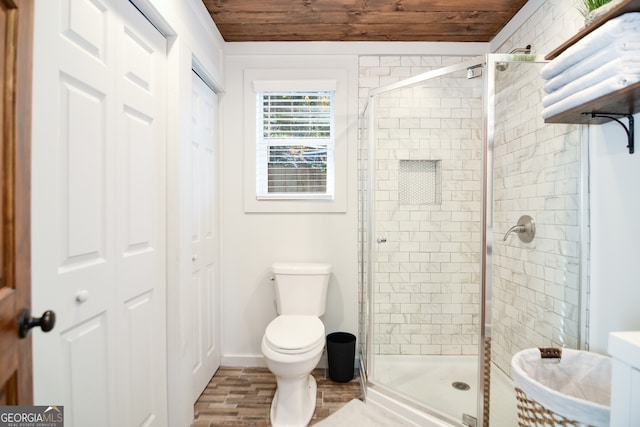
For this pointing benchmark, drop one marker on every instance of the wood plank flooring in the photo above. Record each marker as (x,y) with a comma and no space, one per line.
(242,397)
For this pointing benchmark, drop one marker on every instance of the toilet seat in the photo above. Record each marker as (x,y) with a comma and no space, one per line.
(292,334)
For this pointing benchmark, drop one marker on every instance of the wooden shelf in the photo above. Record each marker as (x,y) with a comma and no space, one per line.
(620,9)
(624,101)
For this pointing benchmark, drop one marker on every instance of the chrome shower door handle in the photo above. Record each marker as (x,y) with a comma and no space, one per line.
(526,229)
(381,239)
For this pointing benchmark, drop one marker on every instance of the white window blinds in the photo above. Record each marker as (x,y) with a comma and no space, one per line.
(295,145)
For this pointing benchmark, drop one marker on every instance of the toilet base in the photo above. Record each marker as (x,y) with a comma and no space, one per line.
(306,416)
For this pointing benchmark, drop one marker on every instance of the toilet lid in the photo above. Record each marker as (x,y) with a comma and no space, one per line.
(291,333)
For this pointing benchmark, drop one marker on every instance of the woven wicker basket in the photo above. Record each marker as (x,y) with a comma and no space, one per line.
(533,414)
(569,392)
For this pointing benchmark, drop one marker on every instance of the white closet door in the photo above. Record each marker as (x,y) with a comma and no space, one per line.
(140,224)
(99,212)
(204,290)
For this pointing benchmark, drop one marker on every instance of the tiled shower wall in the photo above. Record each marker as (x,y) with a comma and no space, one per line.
(427,275)
(537,171)
(535,288)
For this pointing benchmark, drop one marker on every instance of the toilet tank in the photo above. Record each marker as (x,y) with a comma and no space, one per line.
(301,288)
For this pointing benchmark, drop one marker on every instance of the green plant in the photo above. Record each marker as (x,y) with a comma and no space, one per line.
(586,6)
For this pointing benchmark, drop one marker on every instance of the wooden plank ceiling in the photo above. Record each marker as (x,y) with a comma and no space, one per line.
(361,20)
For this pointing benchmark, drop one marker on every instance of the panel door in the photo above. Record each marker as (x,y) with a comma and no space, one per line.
(15,139)
(140,225)
(204,288)
(99,212)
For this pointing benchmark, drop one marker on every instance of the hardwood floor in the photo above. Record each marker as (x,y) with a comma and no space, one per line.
(242,397)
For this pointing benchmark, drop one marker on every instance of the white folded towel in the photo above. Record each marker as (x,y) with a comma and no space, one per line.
(618,67)
(588,94)
(600,38)
(626,49)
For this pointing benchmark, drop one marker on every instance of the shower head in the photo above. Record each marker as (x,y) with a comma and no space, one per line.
(502,66)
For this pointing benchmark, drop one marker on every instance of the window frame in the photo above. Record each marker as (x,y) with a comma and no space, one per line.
(293,79)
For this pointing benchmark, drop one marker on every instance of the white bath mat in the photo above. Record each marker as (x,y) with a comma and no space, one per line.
(357,413)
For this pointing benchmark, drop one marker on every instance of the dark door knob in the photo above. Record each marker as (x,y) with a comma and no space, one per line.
(26,322)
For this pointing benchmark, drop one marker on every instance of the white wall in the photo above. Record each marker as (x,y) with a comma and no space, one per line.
(615,229)
(251,242)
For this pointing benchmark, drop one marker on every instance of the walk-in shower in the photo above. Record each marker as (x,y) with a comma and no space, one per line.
(449,163)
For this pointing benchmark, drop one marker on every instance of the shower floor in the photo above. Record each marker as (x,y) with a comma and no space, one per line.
(429,380)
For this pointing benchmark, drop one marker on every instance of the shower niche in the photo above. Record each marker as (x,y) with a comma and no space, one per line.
(419,182)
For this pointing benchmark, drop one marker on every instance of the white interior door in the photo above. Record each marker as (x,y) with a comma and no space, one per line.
(99,212)
(140,224)
(204,237)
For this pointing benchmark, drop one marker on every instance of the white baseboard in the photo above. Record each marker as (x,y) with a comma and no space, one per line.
(243,361)
(257,361)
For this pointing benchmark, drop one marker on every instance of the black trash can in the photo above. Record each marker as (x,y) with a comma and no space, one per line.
(341,351)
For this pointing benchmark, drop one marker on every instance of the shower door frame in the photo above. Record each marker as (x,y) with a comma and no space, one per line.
(382,395)
(486,257)
(491,66)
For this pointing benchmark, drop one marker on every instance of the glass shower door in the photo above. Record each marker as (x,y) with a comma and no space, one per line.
(533,288)
(424,204)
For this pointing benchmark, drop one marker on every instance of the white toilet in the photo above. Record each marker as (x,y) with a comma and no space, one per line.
(293,341)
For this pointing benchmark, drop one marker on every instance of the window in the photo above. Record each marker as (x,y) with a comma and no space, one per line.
(295,145)
(299,130)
